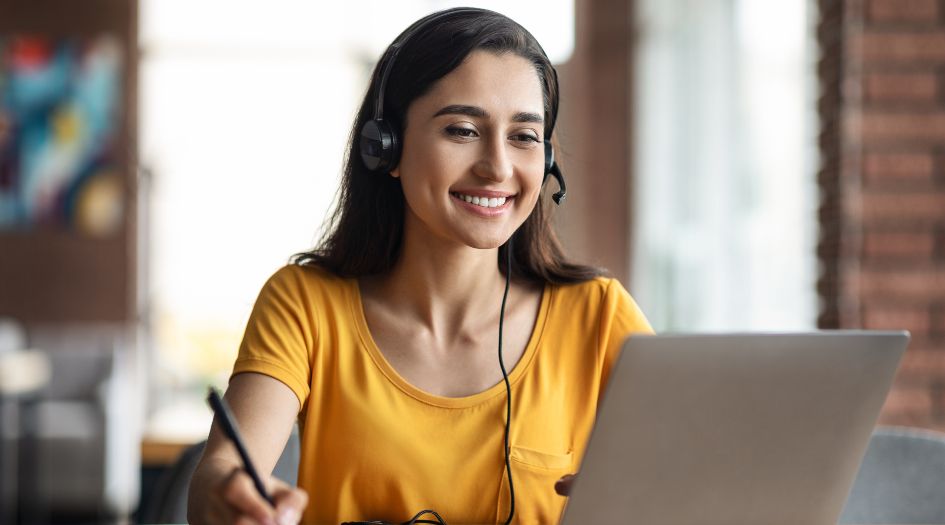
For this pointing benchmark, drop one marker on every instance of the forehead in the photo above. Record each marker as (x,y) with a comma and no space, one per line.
(501,83)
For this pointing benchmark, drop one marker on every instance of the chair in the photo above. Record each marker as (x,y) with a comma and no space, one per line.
(79,460)
(168,502)
(901,479)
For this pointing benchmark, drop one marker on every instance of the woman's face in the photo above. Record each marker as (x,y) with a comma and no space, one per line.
(473,153)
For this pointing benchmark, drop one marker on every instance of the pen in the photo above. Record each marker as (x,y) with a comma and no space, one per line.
(225,418)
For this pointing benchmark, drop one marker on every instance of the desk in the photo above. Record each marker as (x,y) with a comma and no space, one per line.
(160,453)
(173,428)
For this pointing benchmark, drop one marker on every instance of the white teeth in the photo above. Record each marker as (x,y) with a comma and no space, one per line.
(485,202)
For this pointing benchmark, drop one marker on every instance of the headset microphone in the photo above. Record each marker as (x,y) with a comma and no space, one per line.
(563,189)
(551,168)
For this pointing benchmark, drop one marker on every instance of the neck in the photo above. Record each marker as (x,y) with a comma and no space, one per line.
(445,287)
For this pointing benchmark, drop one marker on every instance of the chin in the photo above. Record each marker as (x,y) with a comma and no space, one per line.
(491,243)
(484,236)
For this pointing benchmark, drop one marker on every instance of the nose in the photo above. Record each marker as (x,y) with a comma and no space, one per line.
(495,163)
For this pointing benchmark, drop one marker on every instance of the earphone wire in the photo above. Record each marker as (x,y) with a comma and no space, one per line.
(505,376)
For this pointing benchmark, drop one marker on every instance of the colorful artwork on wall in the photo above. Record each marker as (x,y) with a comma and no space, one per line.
(60,110)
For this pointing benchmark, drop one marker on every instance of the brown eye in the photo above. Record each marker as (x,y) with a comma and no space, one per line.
(465,133)
(525,137)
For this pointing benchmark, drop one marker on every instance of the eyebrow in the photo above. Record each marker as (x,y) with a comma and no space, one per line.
(477,112)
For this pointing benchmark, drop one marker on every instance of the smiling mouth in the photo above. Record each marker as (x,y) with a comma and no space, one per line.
(483,202)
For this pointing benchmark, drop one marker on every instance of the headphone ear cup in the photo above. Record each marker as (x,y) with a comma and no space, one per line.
(379,146)
(549,159)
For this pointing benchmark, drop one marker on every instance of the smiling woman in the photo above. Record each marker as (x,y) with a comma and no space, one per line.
(381,340)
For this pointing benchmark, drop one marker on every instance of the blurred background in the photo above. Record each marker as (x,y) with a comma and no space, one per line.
(737,164)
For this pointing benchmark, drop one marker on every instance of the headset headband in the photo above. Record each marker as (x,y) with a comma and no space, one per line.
(422,24)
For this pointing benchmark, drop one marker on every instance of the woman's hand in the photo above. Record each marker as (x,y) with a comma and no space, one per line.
(563,485)
(220,490)
(234,499)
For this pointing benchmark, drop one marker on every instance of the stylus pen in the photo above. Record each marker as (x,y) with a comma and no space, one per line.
(225,418)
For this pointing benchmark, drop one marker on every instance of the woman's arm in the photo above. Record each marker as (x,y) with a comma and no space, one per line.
(220,490)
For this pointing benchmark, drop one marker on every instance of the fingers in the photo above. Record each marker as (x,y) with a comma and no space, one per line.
(563,485)
(236,500)
(244,500)
(290,503)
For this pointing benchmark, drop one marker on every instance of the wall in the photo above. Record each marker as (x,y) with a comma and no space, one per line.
(76,295)
(883,186)
(50,274)
(594,136)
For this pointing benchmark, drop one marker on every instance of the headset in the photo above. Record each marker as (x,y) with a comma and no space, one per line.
(380,143)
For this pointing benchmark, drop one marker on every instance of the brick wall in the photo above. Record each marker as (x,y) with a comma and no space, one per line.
(883,186)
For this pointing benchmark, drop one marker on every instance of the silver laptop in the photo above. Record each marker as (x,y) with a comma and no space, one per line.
(734,429)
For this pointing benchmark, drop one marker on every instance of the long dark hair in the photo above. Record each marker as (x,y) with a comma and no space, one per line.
(364,233)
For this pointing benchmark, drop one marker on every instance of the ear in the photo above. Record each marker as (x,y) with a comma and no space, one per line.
(395,172)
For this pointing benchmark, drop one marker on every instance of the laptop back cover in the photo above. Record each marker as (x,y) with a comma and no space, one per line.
(737,428)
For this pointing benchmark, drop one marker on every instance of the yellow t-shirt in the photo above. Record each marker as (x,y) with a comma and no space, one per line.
(374,447)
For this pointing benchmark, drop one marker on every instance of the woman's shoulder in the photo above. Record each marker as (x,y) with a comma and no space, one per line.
(604,297)
(306,280)
(594,289)
(306,274)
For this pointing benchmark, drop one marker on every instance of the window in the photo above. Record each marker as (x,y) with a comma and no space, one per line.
(725,205)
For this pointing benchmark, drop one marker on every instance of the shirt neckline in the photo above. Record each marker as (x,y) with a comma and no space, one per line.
(408,388)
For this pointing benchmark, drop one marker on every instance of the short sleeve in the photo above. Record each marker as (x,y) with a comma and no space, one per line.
(280,334)
(620,318)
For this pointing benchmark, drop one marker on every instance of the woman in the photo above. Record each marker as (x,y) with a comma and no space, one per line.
(382,342)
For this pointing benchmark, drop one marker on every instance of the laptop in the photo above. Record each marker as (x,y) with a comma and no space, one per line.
(734,428)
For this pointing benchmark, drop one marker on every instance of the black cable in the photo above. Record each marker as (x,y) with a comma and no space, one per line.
(505,376)
(411,521)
